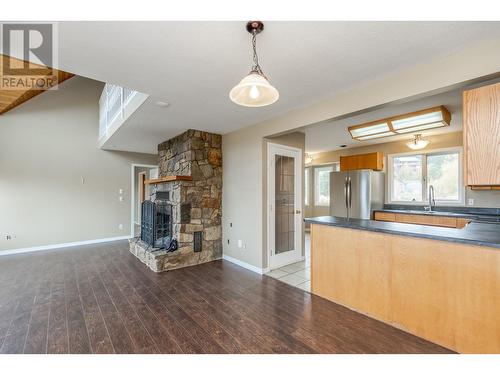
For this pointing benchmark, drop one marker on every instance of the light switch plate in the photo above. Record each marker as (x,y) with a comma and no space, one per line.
(471,201)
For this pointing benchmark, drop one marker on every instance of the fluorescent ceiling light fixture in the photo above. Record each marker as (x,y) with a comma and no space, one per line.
(418,143)
(430,118)
(254,90)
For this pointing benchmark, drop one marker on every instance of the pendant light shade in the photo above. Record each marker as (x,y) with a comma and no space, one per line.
(254,90)
(418,143)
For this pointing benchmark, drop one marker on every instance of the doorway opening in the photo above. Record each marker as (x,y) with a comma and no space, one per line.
(140,192)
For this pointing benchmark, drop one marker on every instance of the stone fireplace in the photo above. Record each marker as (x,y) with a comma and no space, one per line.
(195,201)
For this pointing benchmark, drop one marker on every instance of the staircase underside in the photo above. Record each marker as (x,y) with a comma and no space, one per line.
(11,98)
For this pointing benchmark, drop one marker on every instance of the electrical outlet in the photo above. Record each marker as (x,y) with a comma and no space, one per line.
(120,191)
(121,198)
(120,226)
(471,201)
(240,243)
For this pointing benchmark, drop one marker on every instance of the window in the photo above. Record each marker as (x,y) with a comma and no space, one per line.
(306,186)
(410,176)
(322,185)
(443,174)
(407,178)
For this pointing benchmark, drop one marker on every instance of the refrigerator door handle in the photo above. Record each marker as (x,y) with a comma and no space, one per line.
(350,193)
(346,193)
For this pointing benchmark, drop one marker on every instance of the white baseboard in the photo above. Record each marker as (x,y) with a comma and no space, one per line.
(60,245)
(240,263)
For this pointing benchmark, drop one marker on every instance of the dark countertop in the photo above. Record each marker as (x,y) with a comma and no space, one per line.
(475,233)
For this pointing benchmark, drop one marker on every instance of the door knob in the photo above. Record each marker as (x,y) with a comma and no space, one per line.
(297,211)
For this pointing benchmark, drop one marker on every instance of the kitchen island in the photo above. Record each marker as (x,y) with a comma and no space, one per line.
(442,284)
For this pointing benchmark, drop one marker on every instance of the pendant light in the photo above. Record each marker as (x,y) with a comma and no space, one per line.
(254,90)
(418,143)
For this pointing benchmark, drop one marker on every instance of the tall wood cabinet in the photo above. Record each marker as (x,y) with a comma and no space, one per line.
(481,131)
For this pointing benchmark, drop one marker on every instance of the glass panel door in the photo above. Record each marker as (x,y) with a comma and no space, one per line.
(285,205)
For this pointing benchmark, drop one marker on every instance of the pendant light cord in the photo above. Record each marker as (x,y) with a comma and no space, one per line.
(256,67)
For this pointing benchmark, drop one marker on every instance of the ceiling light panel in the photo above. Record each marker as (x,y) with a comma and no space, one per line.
(421,127)
(374,136)
(409,122)
(369,130)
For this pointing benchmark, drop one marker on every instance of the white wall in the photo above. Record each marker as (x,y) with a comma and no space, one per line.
(242,150)
(46,146)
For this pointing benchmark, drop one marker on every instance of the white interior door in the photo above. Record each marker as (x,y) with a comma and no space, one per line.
(284,205)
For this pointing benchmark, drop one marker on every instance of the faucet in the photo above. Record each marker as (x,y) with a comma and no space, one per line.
(432,201)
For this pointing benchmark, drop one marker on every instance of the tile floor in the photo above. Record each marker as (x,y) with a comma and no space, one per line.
(296,274)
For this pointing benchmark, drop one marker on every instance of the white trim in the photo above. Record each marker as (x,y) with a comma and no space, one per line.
(61,245)
(461,190)
(132,194)
(248,266)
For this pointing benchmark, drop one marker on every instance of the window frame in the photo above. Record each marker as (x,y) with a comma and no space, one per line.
(317,168)
(425,198)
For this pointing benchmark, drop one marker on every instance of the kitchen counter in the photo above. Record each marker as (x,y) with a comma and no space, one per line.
(438,283)
(475,233)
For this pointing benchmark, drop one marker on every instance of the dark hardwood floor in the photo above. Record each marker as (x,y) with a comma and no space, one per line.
(100,299)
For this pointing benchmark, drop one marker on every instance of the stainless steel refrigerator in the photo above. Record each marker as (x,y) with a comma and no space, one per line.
(355,194)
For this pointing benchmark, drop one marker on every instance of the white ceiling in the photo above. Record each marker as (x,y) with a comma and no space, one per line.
(193,65)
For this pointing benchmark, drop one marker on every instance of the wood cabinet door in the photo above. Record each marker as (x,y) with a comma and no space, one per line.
(373,160)
(481,131)
(385,216)
(439,221)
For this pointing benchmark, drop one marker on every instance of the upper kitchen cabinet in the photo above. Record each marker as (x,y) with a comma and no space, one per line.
(481,130)
(373,160)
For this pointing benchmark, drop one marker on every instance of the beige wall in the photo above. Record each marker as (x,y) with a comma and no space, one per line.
(47,146)
(243,149)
